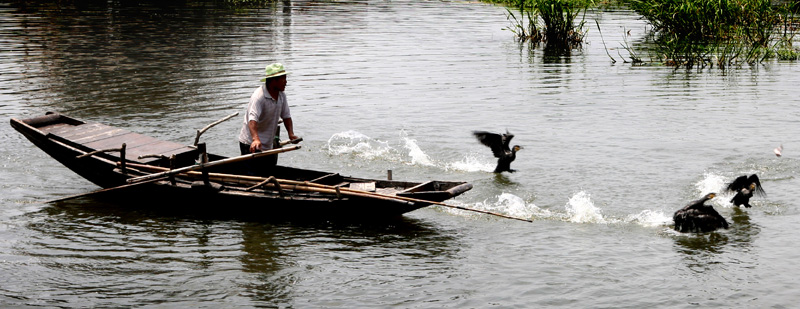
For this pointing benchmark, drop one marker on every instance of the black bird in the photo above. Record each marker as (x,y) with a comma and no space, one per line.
(698,217)
(499,145)
(744,187)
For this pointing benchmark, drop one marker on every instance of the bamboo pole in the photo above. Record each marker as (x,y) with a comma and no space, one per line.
(214,163)
(203,130)
(315,187)
(105,190)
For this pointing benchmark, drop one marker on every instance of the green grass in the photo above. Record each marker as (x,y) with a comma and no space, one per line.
(552,22)
(721,32)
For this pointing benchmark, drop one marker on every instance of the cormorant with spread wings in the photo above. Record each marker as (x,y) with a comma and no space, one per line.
(499,145)
(744,187)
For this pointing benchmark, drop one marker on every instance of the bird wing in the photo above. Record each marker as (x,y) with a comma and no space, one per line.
(739,183)
(711,214)
(507,141)
(492,140)
(703,219)
(754,179)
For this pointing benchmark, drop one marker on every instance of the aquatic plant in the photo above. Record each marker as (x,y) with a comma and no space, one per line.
(724,32)
(559,20)
(526,26)
(549,21)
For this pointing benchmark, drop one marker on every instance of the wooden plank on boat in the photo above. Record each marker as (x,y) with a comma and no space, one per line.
(134,155)
(133,140)
(387,191)
(75,136)
(114,133)
(79,130)
(417,187)
(55,127)
(363,186)
(159,147)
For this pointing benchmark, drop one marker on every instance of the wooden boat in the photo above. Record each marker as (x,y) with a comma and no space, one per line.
(89,150)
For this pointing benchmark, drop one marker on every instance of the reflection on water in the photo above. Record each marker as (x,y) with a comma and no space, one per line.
(282,257)
(116,249)
(702,251)
(701,243)
(111,61)
(744,231)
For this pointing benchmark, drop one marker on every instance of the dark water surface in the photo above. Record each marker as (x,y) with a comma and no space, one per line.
(611,151)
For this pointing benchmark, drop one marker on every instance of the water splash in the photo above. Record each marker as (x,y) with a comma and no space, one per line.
(580,209)
(417,155)
(710,183)
(650,218)
(358,144)
(507,204)
(470,163)
(715,183)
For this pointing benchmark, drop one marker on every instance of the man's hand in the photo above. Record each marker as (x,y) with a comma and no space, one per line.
(255,146)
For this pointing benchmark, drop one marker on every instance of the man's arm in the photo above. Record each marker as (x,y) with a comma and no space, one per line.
(287,122)
(255,146)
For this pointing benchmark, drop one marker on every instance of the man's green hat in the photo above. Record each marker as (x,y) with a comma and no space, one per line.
(274,70)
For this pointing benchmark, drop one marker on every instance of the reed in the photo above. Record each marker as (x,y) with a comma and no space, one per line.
(550,21)
(724,32)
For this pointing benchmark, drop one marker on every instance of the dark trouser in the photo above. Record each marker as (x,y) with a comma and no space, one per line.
(259,166)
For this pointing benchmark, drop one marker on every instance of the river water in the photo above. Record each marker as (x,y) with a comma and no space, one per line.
(611,150)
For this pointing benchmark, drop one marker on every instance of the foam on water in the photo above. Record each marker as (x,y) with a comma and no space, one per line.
(650,218)
(470,163)
(580,209)
(405,150)
(507,204)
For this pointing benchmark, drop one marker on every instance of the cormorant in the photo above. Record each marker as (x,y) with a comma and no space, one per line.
(499,145)
(745,187)
(698,217)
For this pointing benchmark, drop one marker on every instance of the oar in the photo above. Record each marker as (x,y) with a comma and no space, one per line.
(104,190)
(315,187)
(214,163)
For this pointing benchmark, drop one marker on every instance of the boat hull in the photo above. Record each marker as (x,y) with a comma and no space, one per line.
(65,139)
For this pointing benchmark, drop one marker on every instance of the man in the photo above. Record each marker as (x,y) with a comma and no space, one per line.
(260,129)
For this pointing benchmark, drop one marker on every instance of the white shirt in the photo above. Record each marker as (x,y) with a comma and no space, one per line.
(265,111)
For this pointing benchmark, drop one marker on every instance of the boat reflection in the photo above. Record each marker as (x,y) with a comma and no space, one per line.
(279,257)
(265,258)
